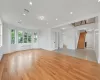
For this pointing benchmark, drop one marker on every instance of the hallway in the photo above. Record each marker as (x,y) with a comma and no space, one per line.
(86,54)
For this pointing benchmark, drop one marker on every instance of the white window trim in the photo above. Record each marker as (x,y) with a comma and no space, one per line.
(1,35)
(11,36)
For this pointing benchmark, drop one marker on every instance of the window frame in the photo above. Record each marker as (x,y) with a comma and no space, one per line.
(25,37)
(29,35)
(14,36)
(1,35)
(35,37)
(21,36)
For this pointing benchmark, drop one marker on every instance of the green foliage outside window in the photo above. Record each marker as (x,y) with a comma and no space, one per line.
(20,36)
(29,38)
(12,36)
(25,37)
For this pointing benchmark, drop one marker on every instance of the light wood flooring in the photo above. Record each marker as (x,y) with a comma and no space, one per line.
(46,65)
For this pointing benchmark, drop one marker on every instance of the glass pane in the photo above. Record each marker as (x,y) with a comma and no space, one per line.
(20,36)
(25,37)
(35,37)
(29,37)
(12,36)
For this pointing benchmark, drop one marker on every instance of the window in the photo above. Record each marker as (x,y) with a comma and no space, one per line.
(25,37)
(0,35)
(12,36)
(20,36)
(29,38)
(35,37)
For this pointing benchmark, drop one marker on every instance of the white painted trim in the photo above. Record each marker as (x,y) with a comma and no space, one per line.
(99,37)
(1,34)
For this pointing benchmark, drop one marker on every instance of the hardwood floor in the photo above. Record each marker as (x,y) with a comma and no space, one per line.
(46,65)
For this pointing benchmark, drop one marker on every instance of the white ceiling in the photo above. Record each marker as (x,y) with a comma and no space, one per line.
(11,11)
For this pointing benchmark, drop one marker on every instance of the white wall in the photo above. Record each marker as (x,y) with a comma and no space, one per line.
(98,50)
(4,47)
(57,40)
(0,37)
(96,45)
(5,37)
(77,37)
(45,41)
(90,39)
(69,38)
(0,33)
(61,39)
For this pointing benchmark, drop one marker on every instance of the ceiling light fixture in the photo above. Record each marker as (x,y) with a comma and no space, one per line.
(98,0)
(56,19)
(41,17)
(24,14)
(30,3)
(71,12)
(63,28)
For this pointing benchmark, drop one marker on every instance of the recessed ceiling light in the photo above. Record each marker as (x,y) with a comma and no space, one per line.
(41,17)
(71,12)
(20,20)
(63,28)
(24,14)
(98,0)
(56,18)
(30,3)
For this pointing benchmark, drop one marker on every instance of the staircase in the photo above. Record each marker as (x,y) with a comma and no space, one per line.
(81,42)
